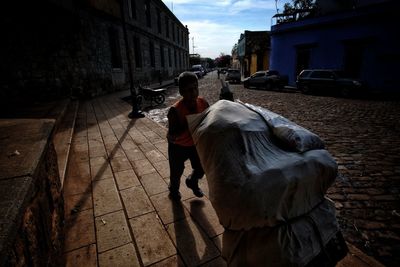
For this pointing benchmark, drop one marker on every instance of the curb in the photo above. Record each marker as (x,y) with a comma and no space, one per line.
(62,138)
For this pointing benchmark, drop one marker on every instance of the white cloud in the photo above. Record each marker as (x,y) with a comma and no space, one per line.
(211,39)
(216,25)
(249,5)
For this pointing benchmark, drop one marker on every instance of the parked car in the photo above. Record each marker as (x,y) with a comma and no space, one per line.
(268,79)
(223,70)
(328,81)
(233,75)
(197,70)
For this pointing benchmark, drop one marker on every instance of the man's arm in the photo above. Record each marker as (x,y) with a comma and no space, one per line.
(175,126)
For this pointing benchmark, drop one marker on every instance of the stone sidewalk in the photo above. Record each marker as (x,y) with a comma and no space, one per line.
(116,197)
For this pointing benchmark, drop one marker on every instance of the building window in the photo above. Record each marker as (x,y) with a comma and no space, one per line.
(132,8)
(138,54)
(166,26)
(175,60)
(159,21)
(169,57)
(173,32)
(152,59)
(148,14)
(162,59)
(116,59)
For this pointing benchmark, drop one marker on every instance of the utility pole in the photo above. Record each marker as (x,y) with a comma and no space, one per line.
(193,44)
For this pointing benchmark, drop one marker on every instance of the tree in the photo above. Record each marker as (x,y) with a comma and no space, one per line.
(223,60)
(210,62)
(298,9)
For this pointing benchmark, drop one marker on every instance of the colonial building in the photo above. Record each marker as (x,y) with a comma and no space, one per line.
(359,37)
(55,48)
(235,63)
(253,51)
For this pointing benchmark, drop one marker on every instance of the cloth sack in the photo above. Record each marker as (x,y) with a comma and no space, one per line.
(267,178)
(252,181)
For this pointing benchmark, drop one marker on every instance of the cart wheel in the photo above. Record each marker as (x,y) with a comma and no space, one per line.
(159,99)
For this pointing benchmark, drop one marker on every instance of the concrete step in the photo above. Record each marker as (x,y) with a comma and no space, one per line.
(62,139)
(357,258)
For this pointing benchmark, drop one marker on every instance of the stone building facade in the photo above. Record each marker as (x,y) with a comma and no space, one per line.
(235,63)
(57,48)
(253,51)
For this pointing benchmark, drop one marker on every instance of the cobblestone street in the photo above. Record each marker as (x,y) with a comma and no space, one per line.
(363,137)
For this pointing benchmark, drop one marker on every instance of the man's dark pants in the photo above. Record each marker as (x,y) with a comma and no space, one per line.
(177,156)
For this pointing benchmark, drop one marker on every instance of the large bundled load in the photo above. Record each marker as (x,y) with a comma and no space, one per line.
(267,181)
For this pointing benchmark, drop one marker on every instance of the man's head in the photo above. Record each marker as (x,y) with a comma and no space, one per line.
(188,87)
(187,79)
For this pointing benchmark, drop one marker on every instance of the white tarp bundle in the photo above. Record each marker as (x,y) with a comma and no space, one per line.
(256,184)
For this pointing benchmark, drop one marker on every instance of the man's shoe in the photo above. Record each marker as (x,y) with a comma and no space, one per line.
(136,115)
(195,187)
(174,195)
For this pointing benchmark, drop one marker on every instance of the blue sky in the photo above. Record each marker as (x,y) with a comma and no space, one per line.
(216,25)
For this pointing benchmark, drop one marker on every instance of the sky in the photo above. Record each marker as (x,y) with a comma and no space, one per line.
(216,25)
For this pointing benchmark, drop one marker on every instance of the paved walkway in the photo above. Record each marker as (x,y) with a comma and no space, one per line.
(116,197)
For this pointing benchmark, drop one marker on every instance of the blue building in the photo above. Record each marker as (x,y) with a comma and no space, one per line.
(361,39)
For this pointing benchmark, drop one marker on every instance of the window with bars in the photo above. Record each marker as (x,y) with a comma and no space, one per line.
(173,31)
(116,59)
(175,59)
(152,58)
(148,13)
(169,57)
(162,59)
(159,20)
(138,53)
(167,26)
(132,8)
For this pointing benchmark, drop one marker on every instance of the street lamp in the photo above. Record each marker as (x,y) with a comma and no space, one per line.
(135,113)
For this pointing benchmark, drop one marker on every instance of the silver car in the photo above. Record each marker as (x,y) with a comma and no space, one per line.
(233,75)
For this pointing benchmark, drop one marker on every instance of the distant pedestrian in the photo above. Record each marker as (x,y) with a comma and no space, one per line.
(180,143)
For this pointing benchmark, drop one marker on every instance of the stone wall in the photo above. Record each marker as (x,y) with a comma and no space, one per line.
(51,52)
(31,203)
(51,49)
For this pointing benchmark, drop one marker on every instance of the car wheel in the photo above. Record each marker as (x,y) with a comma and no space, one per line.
(345,92)
(306,90)
(268,86)
(245,85)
